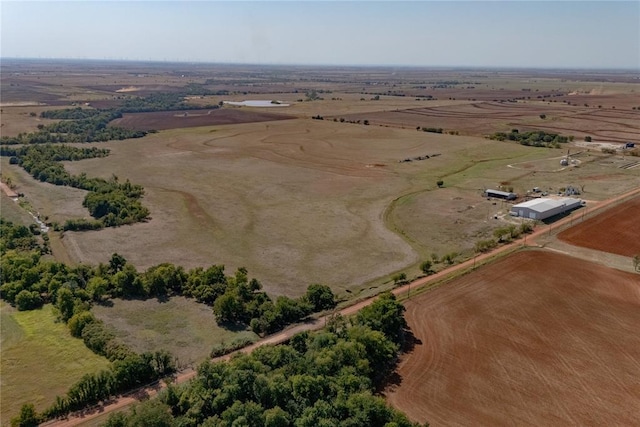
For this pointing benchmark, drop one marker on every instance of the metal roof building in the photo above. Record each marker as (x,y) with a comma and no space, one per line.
(544,208)
(500,194)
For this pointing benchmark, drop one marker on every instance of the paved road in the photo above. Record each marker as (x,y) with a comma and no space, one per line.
(318,323)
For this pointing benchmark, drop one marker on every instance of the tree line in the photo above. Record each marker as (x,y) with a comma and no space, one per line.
(110,202)
(536,138)
(327,378)
(30,281)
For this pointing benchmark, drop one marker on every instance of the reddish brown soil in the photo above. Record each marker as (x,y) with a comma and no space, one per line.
(193,118)
(483,118)
(537,338)
(615,231)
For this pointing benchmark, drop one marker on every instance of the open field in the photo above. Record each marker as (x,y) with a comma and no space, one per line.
(10,211)
(52,201)
(153,325)
(304,201)
(535,338)
(615,231)
(39,359)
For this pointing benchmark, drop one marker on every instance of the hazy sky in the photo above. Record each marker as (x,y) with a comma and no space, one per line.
(564,34)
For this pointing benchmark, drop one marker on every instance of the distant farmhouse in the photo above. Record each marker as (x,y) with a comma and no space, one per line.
(544,208)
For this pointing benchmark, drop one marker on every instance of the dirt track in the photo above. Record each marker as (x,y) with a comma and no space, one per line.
(122,402)
(615,231)
(536,338)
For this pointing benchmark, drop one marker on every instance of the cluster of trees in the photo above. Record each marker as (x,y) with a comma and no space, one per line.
(110,202)
(28,282)
(165,101)
(90,127)
(327,378)
(15,236)
(430,129)
(536,138)
(70,114)
(503,235)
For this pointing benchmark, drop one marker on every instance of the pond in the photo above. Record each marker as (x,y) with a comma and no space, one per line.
(257,103)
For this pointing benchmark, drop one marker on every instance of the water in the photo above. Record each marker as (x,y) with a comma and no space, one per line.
(256,103)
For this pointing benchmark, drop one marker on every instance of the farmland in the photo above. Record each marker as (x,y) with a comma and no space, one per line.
(536,337)
(289,199)
(616,231)
(339,188)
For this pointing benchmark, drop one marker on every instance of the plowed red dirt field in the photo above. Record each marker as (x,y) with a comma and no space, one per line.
(537,338)
(185,119)
(615,231)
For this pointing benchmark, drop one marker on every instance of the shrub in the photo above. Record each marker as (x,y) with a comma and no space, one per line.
(425,267)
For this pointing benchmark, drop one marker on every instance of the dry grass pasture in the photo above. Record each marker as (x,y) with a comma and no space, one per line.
(153,325)
(301,201)
(537,338)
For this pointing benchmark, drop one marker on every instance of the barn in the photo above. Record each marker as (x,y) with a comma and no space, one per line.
(544,208)
(500,194)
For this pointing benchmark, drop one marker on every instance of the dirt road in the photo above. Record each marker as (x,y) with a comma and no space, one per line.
(122,402)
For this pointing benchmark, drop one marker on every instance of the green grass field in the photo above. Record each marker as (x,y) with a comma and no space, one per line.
(182,326)
(39,359)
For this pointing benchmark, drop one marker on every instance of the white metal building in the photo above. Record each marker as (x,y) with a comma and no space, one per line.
(544,208)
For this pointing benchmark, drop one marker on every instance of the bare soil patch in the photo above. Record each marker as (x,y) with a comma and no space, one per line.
(537,338)
(615,231)
(193,118)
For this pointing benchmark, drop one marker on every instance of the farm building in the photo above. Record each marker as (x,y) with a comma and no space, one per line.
(500,194)
(544,208)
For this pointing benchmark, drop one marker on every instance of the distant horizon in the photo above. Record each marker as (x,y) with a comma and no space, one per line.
(474,34)
(250,64)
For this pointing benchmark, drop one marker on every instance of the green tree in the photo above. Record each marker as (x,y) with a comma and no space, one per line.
(321,297)
(276,417)
(28,300)
(97,287)
(28,417)
(399,278)
(425,267)
(151,413)
(65,303)
(385,314)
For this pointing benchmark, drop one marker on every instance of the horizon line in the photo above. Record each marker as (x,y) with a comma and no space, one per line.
(325,65)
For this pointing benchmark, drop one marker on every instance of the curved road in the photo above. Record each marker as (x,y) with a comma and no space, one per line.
(124,401)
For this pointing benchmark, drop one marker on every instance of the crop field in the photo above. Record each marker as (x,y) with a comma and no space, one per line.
(39,359)
(535,338)
(484,118)
(193,118)
(615,231)
(153,325)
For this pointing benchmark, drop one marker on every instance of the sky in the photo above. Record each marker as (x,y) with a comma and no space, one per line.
(529,34)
